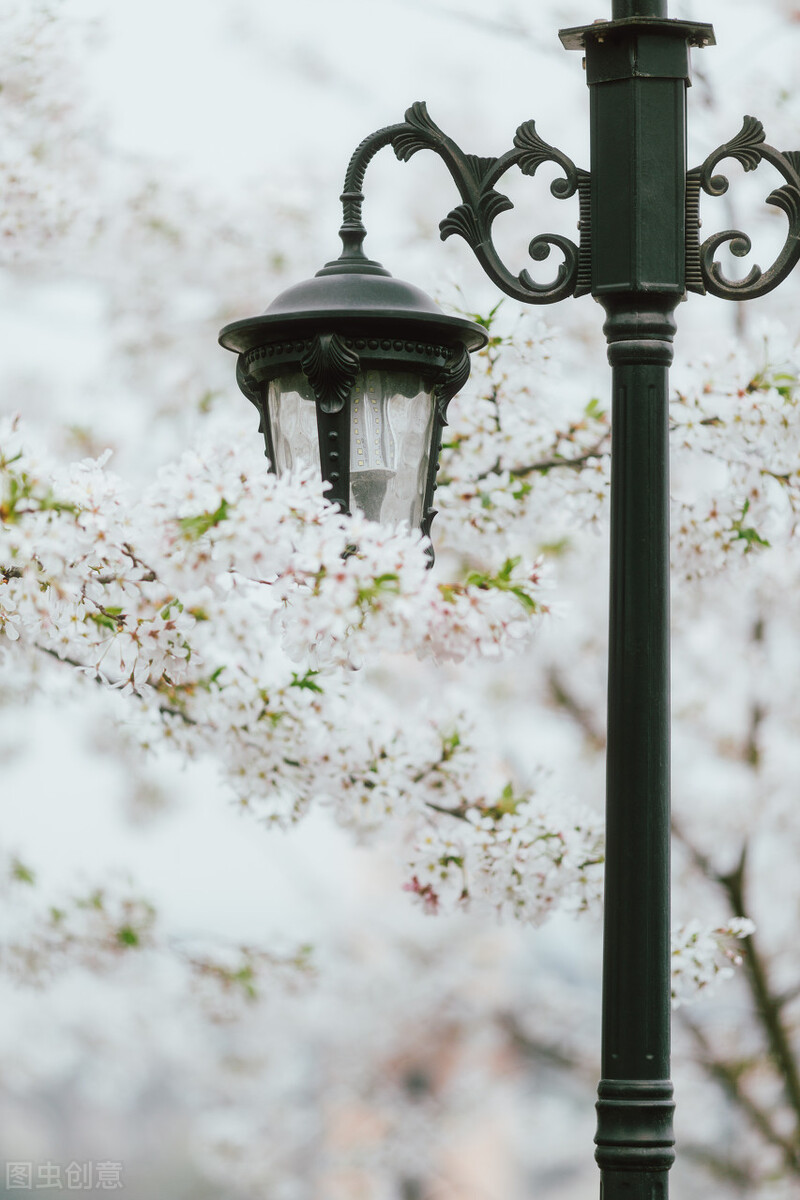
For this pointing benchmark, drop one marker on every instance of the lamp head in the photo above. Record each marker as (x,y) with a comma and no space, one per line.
(353,370)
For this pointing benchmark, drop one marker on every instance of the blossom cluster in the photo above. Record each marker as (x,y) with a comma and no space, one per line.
(77,579)
(736,446)
(102,926)
(523,456)
(234,605)
(517,856)
(703,956)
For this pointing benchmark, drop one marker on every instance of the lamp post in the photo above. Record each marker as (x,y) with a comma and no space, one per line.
(358,368)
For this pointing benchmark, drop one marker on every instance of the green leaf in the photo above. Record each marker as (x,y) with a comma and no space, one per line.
(245,976)
(508,802)
(127,936)
(594,409)
(525,600)
(195,527)
(93,900)
(487,321)
(389,583)
(555,548)
(21,873)
(103,620)
(747,533)
(306,682)
(450,743)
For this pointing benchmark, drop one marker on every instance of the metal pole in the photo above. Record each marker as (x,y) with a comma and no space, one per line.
(638,8)
(634,1136)
(638,77)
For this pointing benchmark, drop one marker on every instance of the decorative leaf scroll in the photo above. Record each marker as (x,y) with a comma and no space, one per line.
(418,134)
(479,165)
(787,198)
(534,151)
(746,146)
(475,177)
(455,374)
(703,272)
(475,226)
(331,369)
(462,220)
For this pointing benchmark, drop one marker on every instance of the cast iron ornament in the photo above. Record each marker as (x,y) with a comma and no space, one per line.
(475,177)
(703,273)
(450,381)
(331,369)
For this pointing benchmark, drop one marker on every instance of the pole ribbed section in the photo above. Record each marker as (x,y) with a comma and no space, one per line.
(634,1133)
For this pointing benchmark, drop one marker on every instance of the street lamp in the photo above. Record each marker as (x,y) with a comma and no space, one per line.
(353,370)
(369,357)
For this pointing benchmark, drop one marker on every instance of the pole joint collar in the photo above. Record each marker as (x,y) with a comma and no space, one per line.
(634,1125)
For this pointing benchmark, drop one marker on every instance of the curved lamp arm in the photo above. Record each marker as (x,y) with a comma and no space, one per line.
(475,178)
(704,274)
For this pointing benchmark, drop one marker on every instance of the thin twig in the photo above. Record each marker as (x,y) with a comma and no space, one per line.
(460,813)
(551,464)
(166,709)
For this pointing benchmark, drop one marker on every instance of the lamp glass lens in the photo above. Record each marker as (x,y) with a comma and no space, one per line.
(391,426)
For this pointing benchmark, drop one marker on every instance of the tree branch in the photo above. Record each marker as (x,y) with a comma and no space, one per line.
(729,1077)
(724,1169)
(545,1052)
(166,709)
(767,1004)
(583,717)
(550,464)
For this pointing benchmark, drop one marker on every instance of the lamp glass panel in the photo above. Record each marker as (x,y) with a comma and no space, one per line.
(293,421)
(391,424)
(391,427)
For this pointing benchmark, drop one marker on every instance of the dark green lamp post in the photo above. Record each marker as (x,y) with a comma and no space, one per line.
(355,369)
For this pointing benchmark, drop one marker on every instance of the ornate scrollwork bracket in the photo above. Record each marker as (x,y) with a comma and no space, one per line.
(481,203)
(703,273)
